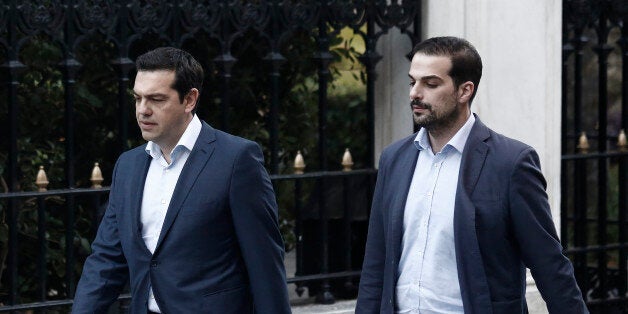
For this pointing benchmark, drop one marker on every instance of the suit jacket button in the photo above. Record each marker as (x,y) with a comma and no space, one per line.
(153,263)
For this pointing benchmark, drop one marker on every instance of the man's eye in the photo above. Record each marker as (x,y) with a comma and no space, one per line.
(430,85)
(412,83)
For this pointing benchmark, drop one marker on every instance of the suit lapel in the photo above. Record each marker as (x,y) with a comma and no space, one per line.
(468,258)
(138,177)
(403,172)
(202,151)
(473,156)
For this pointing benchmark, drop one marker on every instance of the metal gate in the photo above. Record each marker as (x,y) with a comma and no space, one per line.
(68,66)
(594,183)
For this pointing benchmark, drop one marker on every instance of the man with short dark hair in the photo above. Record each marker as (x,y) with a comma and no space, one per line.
(192,217)
(459,211)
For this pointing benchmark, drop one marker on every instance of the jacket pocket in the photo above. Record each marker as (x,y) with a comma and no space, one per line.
(233,300)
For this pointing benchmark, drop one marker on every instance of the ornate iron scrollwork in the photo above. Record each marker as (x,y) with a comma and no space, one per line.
(41,16)
(150,15)
(200,15)
(96,15)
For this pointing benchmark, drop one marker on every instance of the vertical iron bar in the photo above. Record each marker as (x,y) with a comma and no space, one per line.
(69,68)
(372,57)
(579,42)
(276,60)
(41,238)
(580,180)
(123,65)
(94,216)
(564,208)
(12,68)
(602,49)
(323,57)
(581,223)
(298,233)
(225,63)
(623,224)
(623,168)
(348,219)
(69,246)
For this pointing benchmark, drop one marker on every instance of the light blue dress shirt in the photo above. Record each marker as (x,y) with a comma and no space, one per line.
(428,275)
(161,180)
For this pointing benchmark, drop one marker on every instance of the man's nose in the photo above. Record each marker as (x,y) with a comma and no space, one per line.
(142,107)
(415,92)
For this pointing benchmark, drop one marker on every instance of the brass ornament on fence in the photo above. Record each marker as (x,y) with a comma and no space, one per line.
(622,145)
(583,143)
(347,161)
(299,163)
(42,179)
(96,177)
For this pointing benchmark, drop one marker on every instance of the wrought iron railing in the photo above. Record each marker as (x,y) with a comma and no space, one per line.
(76,58)
(594,183)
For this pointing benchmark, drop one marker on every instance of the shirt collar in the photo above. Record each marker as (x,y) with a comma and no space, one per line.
(187,140)
(421,141)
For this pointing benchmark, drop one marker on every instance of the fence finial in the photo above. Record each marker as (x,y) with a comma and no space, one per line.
(299,163)
(42,179)
(622,145)
(583,143)
(96,177)
(347,160)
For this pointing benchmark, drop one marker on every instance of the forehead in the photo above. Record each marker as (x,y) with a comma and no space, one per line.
(153,81)
(423,65)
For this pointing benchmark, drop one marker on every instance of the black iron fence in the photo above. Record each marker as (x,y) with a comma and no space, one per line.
(276,72)
(594,181)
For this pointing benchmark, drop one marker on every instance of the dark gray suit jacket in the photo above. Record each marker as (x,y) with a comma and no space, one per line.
(219,251)
(502,224)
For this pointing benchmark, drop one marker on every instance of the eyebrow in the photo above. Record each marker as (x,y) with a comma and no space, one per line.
(151,95)
(427,77)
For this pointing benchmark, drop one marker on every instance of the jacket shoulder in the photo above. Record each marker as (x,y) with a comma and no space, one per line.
(228,139)
(504,146)
(398,145)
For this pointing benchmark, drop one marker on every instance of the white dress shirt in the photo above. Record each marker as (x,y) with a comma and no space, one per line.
(427,274)
(160,183)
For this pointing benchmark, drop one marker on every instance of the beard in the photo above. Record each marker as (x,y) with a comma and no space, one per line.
(435,120)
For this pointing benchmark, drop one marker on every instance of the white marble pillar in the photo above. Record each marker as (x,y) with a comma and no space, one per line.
(519,94)
(393,118)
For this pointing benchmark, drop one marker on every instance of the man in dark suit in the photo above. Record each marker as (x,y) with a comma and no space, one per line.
(192,218)
(459,211)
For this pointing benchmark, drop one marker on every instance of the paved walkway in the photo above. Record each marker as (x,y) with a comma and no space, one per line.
(340,307)
(305,304)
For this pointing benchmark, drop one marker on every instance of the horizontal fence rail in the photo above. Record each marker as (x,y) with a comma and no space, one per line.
(345,271)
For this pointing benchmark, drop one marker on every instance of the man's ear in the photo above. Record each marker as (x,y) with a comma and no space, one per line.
(465,90)
(190,99)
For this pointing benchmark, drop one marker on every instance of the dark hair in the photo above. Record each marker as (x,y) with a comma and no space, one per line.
(188,73)
(466,64)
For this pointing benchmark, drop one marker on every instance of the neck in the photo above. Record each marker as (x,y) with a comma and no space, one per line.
(166,149)
(440,135)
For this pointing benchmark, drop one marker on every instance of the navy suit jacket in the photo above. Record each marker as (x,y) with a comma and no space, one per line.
(502,224)
(219,251)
